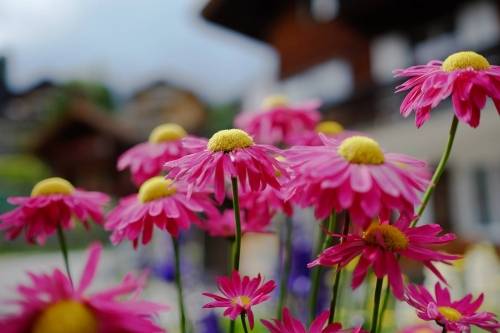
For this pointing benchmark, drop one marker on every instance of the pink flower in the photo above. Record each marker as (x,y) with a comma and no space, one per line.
(420,328)
(456,316)
(240,294)
(269,199)
(330,129)
(53,202)
(51,305)
(229,153)
(291,325)
(222,224)
(278,122)
(380,246)
(160,203)
(466,76)
(355,175)
(166,142)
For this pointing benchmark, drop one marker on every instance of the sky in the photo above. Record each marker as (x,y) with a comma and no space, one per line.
(128,44)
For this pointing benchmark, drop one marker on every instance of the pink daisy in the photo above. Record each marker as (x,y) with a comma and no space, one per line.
(161,203)
(269,199)
(455,316)
(291,325)
(166,142)
(356,175)
(380,246)
(229,153)
(330,129)
(222,224)
(50,305)
(466,76)
(53,202)
(278,122)
(239,294)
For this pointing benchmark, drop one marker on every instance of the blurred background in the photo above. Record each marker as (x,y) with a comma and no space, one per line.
(82,81)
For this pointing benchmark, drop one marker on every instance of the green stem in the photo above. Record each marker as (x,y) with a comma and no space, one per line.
(376,305)
(439,170)
(178,282)
(385,302)
(237,221)
(323,241)
(64,251)
(336,283)
(244,322)
(287,266)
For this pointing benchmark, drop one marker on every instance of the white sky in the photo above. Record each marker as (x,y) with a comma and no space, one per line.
(128,44)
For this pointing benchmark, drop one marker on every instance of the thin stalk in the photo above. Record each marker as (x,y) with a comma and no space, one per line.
(444,329)
(323,241)
(287,266)
(376,305)
(178,282)
(439,170)
(64,251)
(244,322)
(385,302)
(336,283)
(237,221)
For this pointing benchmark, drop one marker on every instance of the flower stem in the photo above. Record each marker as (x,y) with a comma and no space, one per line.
(385,302)
(439,170)
(237,221)
(323,241)
(287,265)
(244,322)
(178,282)
(376,305)
(64,251)
(336,283)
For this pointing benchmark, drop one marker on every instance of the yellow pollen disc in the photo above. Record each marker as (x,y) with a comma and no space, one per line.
(361,150)
(65,317)
(394,239)
(54,185)
(156,188)
(275,101)
(167,132)
(329,128)
(229,140)
(450,313)
(241,300)
(464,60)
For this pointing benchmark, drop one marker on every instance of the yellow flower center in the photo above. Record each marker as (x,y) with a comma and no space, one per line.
(65,317)
(361,150)
(450,313)
(241,300)
(54,185)
(329,128)
(156,188)
(394,239)
(167,132)
(464,60)
(229,140)
(275,101)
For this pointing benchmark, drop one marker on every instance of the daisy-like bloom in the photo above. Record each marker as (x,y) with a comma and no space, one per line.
(290,324)
(51,305)
(380,246)
(278,122)
(465,76)
(166,142)
(239,294)
(53,203)
(455,316)
(229,153)
(355,174)
(160,203)
(222,224)
(330,129)
(269,199)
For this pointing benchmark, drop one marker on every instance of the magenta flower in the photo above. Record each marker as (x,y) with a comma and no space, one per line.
(222,224)
(278,122)
(53,202)
(455,316)
(269,199)
(160,203)
(380,246)
(330,129)
(466,76)
(240,294)
(51,305)
(291,325)
(166,142)
(229,153)
(355,175)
